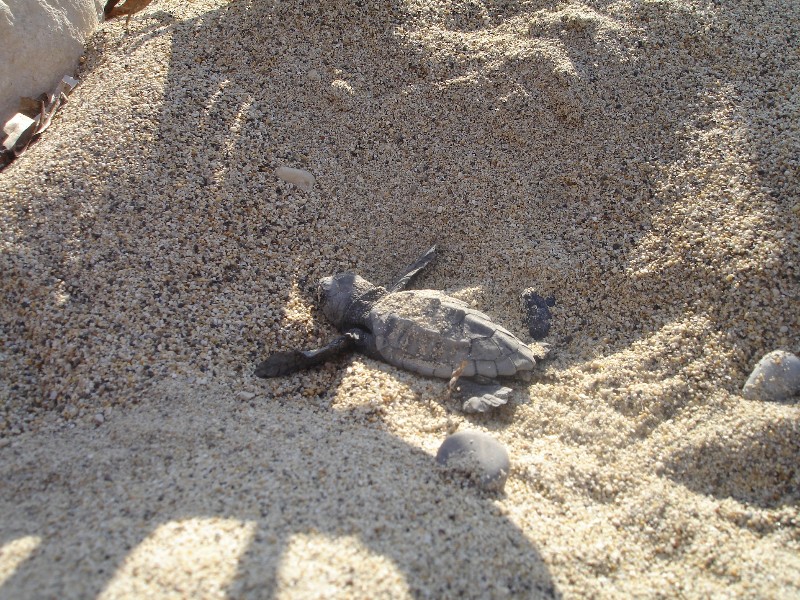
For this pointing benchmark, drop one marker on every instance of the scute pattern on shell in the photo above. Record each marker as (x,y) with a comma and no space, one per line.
(430,333)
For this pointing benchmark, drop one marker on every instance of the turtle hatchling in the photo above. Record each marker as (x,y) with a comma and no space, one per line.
(424,331)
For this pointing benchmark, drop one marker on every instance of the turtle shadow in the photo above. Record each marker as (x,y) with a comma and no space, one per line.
(283,469)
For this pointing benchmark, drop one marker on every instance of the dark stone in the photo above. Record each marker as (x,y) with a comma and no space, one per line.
(538,315)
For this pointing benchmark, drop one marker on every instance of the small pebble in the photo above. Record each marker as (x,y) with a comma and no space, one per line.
(479,455)
(776,377)
(341,93)
(299,177)
(245,396)
(538,315)
(98,419)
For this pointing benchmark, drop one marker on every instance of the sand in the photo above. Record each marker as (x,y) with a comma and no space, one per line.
(638,161)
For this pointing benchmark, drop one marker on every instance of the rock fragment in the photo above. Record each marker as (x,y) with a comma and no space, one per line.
(19,130)
(776,377)
(478,455)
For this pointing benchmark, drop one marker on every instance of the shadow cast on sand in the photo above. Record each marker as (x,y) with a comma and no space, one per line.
(93,495)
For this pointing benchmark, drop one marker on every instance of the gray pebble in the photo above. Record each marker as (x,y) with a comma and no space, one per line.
(477,454)
(776,377)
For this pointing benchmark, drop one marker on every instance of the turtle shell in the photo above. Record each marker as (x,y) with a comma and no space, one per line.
(431,333)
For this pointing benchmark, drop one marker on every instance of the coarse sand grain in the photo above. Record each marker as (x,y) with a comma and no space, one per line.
(639,161)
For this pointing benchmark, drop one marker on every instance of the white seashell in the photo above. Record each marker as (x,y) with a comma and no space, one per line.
(775,377)
(299,177)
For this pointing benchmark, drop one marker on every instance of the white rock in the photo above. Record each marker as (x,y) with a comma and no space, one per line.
(299,177)
(775,377)
(245,395)
(42,41)
(18,126)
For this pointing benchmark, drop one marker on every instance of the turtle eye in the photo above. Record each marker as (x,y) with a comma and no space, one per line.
(326,289)
(325,284)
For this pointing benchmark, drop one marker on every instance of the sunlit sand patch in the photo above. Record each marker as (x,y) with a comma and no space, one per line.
(368,387)
(520,34)
(14,553)
(194,558)
(297,320)
(716,209)
(472,295)
(315,566)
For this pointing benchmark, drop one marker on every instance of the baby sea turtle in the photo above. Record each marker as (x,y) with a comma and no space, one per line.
(424,331)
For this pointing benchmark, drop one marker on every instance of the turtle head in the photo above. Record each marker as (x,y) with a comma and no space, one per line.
(339,293)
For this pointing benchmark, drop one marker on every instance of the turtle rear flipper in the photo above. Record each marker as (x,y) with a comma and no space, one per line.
(479,397)
(414,270)
(284,363)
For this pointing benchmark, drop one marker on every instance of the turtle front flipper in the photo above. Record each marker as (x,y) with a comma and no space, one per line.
(479,397)
(414,270)
(284,363)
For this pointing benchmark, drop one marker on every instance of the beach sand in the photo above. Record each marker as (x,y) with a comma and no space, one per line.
(638,161)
